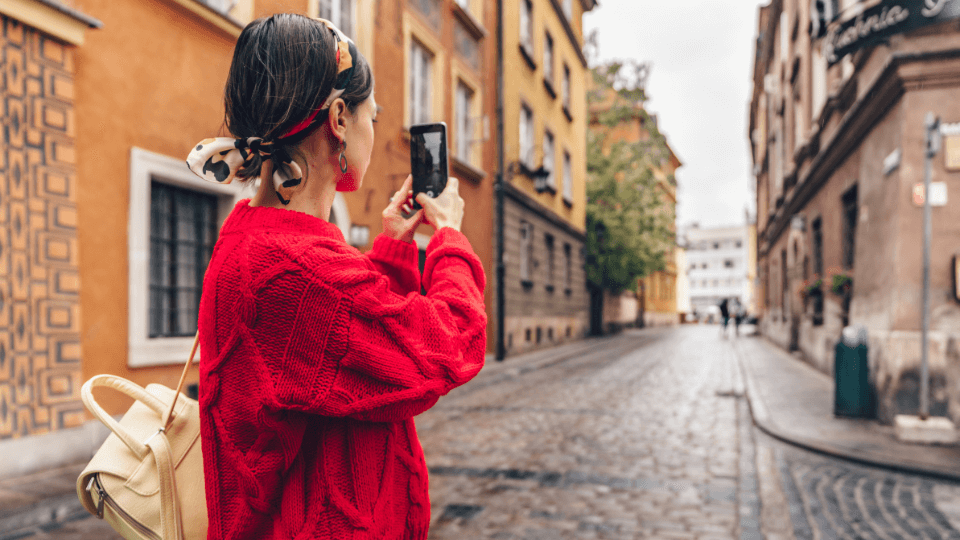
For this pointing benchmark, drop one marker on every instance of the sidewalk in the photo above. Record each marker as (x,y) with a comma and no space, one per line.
(792,401)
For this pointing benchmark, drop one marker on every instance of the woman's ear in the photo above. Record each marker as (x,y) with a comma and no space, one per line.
(337,118)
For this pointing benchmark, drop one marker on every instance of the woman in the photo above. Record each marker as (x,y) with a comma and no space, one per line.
(315,357)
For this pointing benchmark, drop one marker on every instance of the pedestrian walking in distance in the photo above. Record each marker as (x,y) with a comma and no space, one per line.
(737,315)
(724,316)
(316,357)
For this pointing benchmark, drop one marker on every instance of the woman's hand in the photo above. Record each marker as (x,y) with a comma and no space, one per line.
(446,210)
(395,225)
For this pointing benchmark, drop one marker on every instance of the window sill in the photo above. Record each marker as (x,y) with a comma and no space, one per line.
(549,86)
(467,171)
(221,20)
(566,112)
(567,202)
(469,22)
(528,56)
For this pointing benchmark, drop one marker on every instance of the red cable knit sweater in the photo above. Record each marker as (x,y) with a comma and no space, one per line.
(316,358)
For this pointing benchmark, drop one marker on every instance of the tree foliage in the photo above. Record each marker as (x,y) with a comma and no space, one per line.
(629,229)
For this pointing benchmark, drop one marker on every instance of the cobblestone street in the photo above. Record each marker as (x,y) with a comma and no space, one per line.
(642,435)
(646,435)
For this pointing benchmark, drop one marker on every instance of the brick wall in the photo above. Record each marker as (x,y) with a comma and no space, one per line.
(39,278)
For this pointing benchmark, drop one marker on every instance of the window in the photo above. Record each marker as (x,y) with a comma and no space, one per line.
(567,268)
(421,70)
(849,226)
(716,245)
(548,241)
(464,124)
(526,250)
(816,231)
(548,59)
(567,178)
(783,284)
(704,265)
(430,9)
(728,263)
(565,90)
(339,12)
(526,136)
(738,244)
(526,26)
(549,159)
(183,227)
(223,6)
(174,218)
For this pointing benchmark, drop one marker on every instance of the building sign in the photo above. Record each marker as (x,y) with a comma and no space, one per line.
(938,194)
(879,22)
(951,146)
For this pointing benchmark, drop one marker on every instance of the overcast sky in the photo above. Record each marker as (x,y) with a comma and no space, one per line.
(699,88)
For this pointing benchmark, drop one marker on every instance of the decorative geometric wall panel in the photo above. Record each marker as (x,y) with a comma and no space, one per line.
(40,371)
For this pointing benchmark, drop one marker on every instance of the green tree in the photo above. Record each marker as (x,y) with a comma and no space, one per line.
(628,226)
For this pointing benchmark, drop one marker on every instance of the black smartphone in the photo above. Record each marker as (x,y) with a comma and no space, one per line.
(428,159)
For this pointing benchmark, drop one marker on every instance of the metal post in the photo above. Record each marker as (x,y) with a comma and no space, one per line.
(932,146)
(501,349)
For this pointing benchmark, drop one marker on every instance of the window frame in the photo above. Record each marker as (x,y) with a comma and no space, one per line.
(527,135)
(420,77)
(526,27)
(548,60)
(816,242)
(414,30)
(549,243)
(336,9)
(526,253)
(463,120)
(550,158)
(170,288)
(850,215)
(567,177)
(146,167)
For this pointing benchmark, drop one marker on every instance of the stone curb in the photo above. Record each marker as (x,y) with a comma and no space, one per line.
(762,419)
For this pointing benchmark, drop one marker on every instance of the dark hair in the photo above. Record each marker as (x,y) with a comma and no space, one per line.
(283,68)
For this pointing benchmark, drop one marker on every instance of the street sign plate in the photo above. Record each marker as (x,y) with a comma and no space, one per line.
(938,194)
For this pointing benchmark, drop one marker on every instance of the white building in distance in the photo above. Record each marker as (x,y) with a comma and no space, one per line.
(718,267)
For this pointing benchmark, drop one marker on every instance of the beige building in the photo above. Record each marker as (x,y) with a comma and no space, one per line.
(837,131)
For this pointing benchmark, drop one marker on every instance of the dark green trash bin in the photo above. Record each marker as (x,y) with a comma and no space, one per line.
(852,396)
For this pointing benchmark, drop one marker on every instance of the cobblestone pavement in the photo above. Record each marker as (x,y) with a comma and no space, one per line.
(634,436)
(643,435)
(814,496)
(647,436)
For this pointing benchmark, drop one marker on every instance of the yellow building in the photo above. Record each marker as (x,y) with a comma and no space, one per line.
(542,295)
(657,292)
(655,301)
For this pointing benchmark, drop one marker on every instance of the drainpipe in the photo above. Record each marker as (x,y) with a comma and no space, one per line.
(499,188)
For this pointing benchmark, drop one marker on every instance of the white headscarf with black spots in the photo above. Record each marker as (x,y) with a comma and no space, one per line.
(219,159)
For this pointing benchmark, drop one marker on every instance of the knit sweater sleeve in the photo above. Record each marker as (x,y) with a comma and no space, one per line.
(398,261)
(361,350)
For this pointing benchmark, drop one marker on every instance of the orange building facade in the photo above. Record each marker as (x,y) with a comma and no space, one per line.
(435,61)
(101,115)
